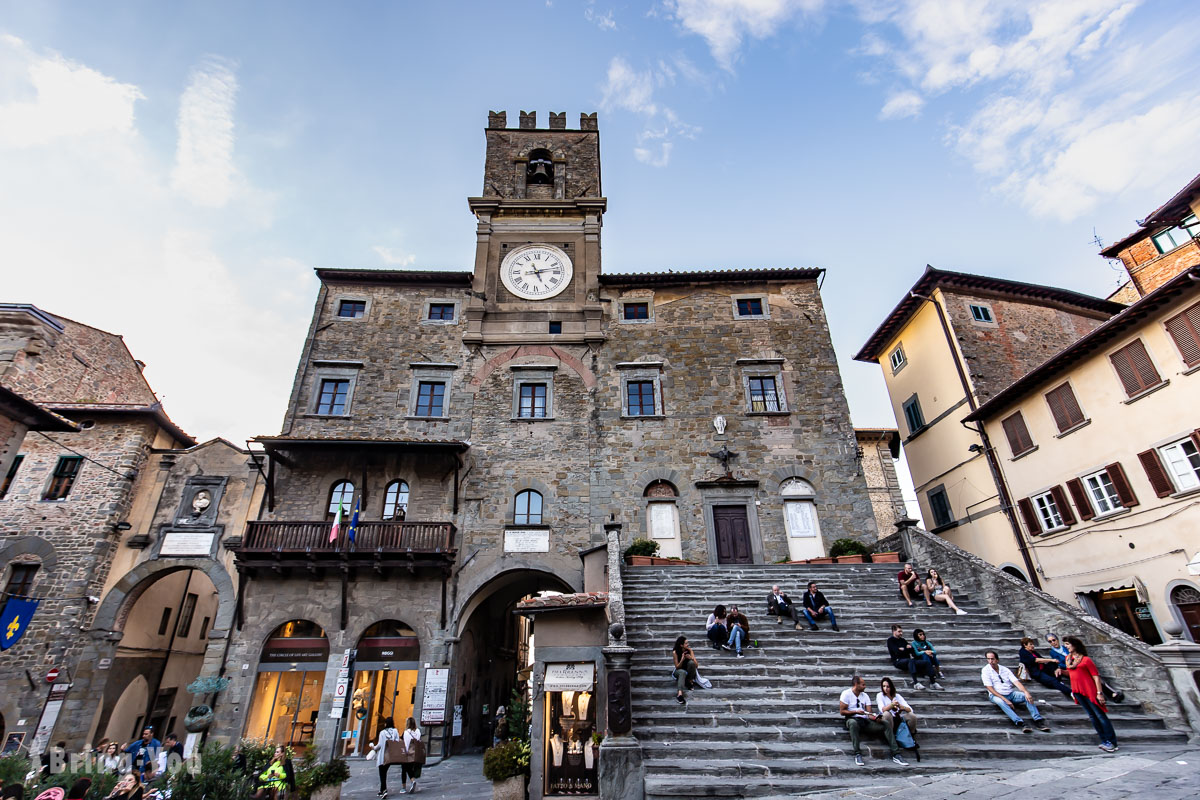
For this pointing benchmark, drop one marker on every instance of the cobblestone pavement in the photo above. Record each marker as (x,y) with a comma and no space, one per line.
(458,778)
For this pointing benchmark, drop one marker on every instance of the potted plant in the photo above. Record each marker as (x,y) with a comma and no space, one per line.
(848,551)
(592,753)
(821,560)
(641,552)
(321,780)
(887,557)
(507,766)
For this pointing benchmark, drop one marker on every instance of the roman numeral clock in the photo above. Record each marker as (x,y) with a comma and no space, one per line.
(536,271)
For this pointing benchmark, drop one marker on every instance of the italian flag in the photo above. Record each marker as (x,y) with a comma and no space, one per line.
(337,524)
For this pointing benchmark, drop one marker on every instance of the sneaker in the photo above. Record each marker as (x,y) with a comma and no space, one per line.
(1025,728)
(1042,726)
(961,613)
(796,627)
(813,628)
(778,620)
(858,762)
(726,647)
(740,654)
(937,685)
(1108,747)
(679,698)
(941,675)
(836,628)
(413,789)
(918,686)
(896,759)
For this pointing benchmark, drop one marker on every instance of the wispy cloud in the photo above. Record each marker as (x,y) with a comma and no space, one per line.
(725,24)
(633,90)
(394,257)
(901,105)
(204,169)
(604,22)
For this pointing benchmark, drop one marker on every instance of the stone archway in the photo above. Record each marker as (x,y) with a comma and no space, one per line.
(114,608)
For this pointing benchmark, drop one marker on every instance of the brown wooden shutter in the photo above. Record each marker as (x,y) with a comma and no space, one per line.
(1196,438)
(1156,473)
(1116,474)
(1079,495)
(1185,330)
(1019,440)
(1031,518)
(1064,407)
(1134,368)
(1064,507)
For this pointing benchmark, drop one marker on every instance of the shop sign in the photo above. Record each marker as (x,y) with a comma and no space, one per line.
(527,541)
(1143,612)
(286,650)
(45,726)
(388,648)
(433,705)
(341,688)
(569,677)
(457,729)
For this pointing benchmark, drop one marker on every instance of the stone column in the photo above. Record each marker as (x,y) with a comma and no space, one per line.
(1182,660)
(620,772)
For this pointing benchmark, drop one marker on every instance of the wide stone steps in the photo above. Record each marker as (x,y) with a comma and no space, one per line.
(769,729)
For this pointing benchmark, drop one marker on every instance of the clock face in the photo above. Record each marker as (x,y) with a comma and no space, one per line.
(536,271)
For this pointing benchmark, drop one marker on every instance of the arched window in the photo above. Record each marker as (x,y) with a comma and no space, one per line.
(342,493)
(541,169)
(395,501)
(1187,600)
(528,510)
(287,691)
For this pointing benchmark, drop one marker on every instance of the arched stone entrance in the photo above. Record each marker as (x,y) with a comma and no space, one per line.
(387,666)
(287,690)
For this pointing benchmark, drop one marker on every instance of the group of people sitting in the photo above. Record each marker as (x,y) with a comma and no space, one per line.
(932,587)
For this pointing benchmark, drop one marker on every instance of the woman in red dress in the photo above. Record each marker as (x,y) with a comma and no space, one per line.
(1085,688)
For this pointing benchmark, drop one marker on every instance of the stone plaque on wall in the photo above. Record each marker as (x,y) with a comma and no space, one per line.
(187,543)
(521,540)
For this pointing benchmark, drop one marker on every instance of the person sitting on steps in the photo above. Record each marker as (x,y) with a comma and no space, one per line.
(937,589)
(685,668)
(854,706)
(906,658)
(1043,670)
(924,647)
(739,630)
(910,584)
(816,606)
(891,704)
(718,628)
(779,605)
(1006,692)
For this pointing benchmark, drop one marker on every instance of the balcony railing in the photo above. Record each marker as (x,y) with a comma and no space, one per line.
(289,543)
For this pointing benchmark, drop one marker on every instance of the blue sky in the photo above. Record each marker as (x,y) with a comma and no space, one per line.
(174,171)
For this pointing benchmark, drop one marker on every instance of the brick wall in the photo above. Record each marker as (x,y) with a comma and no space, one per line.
(1156,269)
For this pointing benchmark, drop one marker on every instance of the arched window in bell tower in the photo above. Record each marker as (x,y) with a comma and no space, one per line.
(541,169)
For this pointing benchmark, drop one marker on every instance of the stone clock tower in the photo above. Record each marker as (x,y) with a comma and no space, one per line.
(537,258)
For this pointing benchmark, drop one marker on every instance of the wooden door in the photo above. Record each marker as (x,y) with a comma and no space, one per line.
(1121,609)
(733,535)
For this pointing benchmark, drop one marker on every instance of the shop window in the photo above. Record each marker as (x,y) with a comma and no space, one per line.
(287,691)
(527,508)
(386,667)
(395,501)
(570,721)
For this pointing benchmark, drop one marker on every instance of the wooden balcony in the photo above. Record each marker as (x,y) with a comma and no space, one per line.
(306,545)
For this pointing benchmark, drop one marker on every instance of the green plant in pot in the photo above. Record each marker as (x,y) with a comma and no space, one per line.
(642,547)
(848,547)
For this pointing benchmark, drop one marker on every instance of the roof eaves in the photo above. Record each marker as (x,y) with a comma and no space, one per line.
(1176,208)
(395,276)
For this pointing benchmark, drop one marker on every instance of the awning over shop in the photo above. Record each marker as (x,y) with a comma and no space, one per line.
(1116,584)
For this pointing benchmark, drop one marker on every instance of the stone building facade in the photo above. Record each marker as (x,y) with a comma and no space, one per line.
(488,425)
(878,450)
(1166,243)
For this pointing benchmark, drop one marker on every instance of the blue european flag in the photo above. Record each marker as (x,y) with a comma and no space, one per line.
(354,521)
(15,619)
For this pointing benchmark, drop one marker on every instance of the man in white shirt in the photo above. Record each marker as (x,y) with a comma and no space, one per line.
(1006,692)
(855,707)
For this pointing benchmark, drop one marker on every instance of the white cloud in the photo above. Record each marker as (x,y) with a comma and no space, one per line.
(394,256)
(604,22)
(725,24)
(629,89)
(204,170)
(901,105)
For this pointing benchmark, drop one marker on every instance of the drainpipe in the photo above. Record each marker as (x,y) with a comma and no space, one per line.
(988,451)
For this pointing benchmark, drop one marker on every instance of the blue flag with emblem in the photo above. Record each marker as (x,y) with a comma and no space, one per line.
(15,619)
(354,521)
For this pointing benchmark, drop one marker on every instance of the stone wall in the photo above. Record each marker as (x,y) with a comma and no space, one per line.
(580,149)
(1126,661)
(883,485)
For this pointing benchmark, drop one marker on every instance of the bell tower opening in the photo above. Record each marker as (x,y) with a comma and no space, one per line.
(540,171)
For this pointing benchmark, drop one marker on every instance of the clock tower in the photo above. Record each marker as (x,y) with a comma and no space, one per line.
(537,257)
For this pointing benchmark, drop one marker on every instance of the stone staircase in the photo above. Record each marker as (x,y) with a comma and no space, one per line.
(769,726)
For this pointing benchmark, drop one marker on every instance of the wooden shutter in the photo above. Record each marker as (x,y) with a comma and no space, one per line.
(1116,474)
(1079,495)
(1017,432)
(1196,438)
(1064,407)
(1134,368)
(1030,516)
(1064,507)
(1157,474)
(1185,330)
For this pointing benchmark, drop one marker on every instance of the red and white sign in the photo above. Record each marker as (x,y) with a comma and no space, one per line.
(52,675)
(339,690)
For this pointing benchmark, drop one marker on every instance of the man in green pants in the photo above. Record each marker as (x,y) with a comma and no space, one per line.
(855,707)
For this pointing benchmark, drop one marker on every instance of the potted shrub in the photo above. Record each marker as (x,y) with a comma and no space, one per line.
(888,557)
(641,552)
(321,780)
(507,766)
(848,551)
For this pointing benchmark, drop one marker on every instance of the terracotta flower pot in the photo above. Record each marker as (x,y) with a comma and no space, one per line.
(885,558)
(821,560)
(858,559)
(656,561)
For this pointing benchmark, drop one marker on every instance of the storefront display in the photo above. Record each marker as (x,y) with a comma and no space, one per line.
(287,691)
(571,753)
(385,673)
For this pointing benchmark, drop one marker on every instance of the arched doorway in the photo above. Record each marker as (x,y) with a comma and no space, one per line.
(165,629)
(386,665)
(1186,600)
(495,649)
(287,691)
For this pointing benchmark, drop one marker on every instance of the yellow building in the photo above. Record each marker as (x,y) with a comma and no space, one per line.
(1100,449)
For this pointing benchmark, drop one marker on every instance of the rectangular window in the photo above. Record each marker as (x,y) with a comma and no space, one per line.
(764,395)
(12,473)
(1185,330)
(981,313)
(352,309)
(555,326)
(750,307)
(939,505)
(204,627)
(1102,492)
(1182,461)
(186,614)
(431,397)
(913,415)
(165,622)
(532,401)
(898,359)
(1169,239)
(441,311)
(640,398)
(1019,440)
(1064,407)
(63,478)
(635,311)
(332,398)
(1134,368)
(1049,514)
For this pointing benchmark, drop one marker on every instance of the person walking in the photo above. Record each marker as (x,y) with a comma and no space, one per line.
(1085,687)
(816,606)
(1006,692)
(685,668)
(411,769)
(854,706)
(387,734)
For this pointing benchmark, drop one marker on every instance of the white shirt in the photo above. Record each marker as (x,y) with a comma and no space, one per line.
(882,700)
(857,702)
(712,620)
(411,735)
(386,735)
(1003,682)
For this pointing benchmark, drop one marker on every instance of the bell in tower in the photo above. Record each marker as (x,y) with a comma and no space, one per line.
(540,171)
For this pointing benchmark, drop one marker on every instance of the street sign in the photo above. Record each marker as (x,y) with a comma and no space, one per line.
(52,675)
